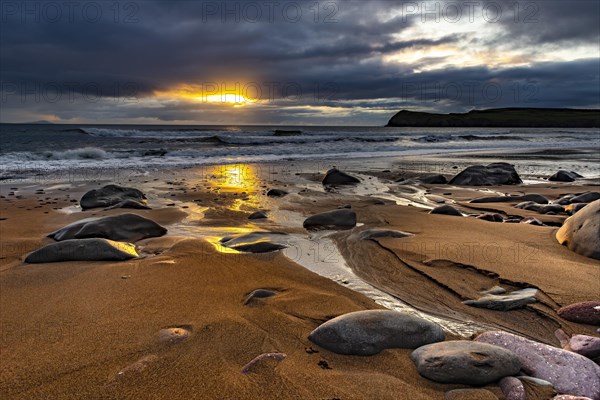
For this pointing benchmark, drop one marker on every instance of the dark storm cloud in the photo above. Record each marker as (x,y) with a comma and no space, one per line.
(334,57)
(550,21)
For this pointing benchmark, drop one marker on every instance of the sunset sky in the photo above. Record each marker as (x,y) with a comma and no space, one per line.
(292,62)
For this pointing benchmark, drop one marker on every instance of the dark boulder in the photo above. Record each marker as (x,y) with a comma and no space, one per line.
(111,195)
(446,210)
(536,198)
(565,176)
(83,250)
(336,177)
(258,215)
(123,228)
(276,193)
(433,179)
(336,219)
(490,175)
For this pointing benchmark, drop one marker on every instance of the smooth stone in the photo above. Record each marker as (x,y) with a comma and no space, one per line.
(336,177)
(491,217)
(568,372)
(258,294)
(490,175)
(536,198)
(254,242)
(371,234)
(470,394)
(505,302)
(336,219)
(366,333)
(465,362)
(586,197)
(587,346)
(564,176)
(175,334)
(433,179)
(258,215)
(83,250)
(446,210)
(111,195)
(566,199)
(512,388)
(541,208)
(276,193)
(569,397)
(123,228)
(581,232)
(587,312)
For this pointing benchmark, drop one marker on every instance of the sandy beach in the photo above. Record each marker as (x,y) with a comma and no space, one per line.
(93,329)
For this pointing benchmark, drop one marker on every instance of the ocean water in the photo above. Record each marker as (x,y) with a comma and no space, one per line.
(25,149)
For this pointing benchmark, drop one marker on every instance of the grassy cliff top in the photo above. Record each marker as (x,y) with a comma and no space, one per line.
(502,117)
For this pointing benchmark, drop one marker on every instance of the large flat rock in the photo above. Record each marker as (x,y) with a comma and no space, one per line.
(366,333)
(83,250)
(124,228)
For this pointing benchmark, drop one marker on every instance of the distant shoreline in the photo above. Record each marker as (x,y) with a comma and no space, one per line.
(501,118)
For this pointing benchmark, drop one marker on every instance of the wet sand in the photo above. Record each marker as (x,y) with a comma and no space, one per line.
(92,330)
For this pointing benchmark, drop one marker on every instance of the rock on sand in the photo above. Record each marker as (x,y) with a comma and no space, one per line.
(113,195)
(83,250)
(587,312)
(124,227)
(446,210)
(366,333)
(336,177)
(490,175)
(564,176)
(465,362)
(336,219)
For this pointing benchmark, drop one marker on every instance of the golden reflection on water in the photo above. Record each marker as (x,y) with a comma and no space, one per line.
(241,180)
(215,241)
